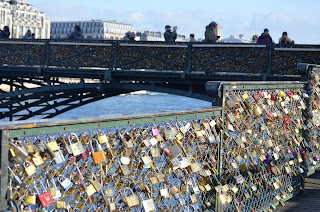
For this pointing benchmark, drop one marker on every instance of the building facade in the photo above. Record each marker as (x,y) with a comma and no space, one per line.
(95,29)
(23,17)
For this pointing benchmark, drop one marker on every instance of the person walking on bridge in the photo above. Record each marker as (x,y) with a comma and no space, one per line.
(265,38)
(210,35)
(170,36)
(76,34)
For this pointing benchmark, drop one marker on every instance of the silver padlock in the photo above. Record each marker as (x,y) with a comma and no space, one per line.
(66,183)
(59,158)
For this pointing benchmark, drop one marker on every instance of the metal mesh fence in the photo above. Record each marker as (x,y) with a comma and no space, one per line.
(155,166)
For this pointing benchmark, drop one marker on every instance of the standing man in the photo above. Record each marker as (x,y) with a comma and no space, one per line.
(170,36)
(210,35)
(76,34)
(265,37)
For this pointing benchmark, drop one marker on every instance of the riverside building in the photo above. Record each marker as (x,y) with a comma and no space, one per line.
(22,17)
(95,29)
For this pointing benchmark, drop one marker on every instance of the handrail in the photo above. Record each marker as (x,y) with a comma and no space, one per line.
(267,60)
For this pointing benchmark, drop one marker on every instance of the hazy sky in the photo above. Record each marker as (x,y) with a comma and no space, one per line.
(301,19)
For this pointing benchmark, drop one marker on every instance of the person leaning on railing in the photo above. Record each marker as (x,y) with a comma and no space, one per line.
(265,37)
(5,33)
(210,35)
(285,40)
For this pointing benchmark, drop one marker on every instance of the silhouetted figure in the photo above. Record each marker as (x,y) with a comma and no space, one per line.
(192,39)
(132,36)
(33,36)
(5,33)
(127,36)
(265,38)
(285,39)
(28,35)
(76,34)
(170,35)
(210,35)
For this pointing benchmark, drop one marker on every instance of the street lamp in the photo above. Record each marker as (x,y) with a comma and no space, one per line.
(13,6)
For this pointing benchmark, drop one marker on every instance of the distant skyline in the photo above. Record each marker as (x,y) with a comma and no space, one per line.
(301,19)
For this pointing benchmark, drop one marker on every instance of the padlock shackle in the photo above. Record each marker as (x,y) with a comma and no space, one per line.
(71,136)
(99,148)
(19,149)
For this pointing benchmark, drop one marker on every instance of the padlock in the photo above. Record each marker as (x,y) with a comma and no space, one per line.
(20,152)
(52,188)
(61,205)
(98,156)
(25,208)
(44,198)
(90,190)
(155,132)
(164,192)
(102,138)
(155,152)
(29,168)
(59,158)
(29,147)
(30,198)
(195,167)
(132,199)
(76,148)
(37,159)
(112,205)
(65,182)
(96,184)
(52,144)
(148,205)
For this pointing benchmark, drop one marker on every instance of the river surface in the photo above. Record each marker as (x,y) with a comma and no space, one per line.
(133,104)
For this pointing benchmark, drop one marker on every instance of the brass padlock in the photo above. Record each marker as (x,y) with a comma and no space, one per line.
(132,199)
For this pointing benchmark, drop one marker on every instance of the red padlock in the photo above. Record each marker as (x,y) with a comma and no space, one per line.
(304,156)
(256,97)
(273,98)
(44,198)
(166,150)
(290,94)
(270,115)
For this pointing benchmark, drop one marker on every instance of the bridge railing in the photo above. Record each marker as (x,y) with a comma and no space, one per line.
(245,59)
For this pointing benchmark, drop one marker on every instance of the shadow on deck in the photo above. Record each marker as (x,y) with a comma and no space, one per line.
(307,201)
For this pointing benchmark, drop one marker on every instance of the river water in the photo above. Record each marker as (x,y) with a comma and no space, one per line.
(133,104)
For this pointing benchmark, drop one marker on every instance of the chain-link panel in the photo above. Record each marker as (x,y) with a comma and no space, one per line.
(154,167)
(264,153)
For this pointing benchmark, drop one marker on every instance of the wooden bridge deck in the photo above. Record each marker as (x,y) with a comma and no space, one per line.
(309,200)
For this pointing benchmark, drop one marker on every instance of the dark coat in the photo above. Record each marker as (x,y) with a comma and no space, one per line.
(77,35)
(4,34)
(264,39)
(170,36)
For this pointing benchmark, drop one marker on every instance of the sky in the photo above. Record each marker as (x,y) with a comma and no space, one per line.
(301,19)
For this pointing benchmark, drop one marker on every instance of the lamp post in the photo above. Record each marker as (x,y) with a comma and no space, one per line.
(13,6)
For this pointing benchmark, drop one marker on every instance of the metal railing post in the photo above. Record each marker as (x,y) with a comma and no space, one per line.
(189,68)
(270,50)
(4,169)
(48,48)
(116,51)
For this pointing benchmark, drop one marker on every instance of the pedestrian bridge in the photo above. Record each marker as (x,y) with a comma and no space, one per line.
(49,77)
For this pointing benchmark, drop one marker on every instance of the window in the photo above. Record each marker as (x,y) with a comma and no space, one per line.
(20,33)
